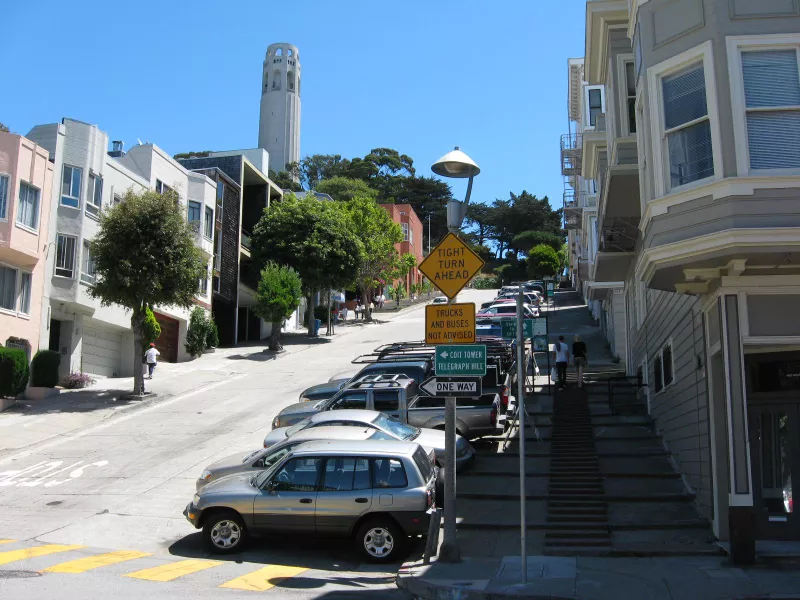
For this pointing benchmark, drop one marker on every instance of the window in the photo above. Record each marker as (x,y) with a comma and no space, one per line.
(630,81)
(595,96)
(405,231)
(65,255)
(276,80)
(388,473)
(3,196)
(290,81)
(194,215)
(772,106)
(352,400)
(687,128)
(71,186)
(117,199)
(87,266)
(657,374)
(161,187)
(208,230)
(95,203)
(298,475)
(346,475)
(8,288)
(28,211)
(25,293)
(217,250)
(220,199)
(663,368)
(386,401)
(202,285)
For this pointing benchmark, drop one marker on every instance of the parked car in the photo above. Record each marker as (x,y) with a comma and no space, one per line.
(397,396)
(266,457)
(440,300)
(323,391)
(416,368)
(359,419)
(498,312)
(377,493)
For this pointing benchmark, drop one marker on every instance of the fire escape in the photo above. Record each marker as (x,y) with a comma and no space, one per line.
(571,158)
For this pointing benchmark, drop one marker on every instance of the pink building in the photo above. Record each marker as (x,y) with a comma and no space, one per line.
(26,178)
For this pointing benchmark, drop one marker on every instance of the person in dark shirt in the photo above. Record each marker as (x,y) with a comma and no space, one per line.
(579,352)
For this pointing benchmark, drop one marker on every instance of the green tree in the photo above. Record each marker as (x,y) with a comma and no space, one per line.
(378,235)
(197,332)
(151,329)
(542,262)
(144,255)
(407,262)
(212,336)
(317,239)
(3,128)
(520,213)
(563,258)
(345,189)
(479,216)
(278,296)
(315,168)
(284,181)
(528,239)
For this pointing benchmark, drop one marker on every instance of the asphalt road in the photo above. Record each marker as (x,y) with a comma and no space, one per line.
(112,527)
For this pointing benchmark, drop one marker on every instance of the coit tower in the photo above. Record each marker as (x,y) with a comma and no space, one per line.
(279,125)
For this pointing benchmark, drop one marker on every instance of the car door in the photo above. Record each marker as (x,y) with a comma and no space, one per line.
(387,402)
(344,495)
(388,479)
(354,399)
(287,501)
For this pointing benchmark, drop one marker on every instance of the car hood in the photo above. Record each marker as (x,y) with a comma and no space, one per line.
(234,484)
(329,388)
(231,462)
(435,439)
(301,408)
(276,435)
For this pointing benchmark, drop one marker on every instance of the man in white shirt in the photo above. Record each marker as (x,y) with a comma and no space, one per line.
(151,357)
(561,358)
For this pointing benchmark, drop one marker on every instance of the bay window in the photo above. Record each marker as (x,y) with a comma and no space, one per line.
(28,209)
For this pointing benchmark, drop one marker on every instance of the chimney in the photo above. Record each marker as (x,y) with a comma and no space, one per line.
(117,149)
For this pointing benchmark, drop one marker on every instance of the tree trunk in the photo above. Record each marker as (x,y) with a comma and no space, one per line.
(275,337)
(310,316)
(137,320)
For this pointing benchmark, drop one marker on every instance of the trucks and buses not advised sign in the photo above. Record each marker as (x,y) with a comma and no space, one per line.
(450,323)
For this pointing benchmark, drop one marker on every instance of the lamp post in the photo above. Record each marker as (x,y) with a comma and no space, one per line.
(457,165)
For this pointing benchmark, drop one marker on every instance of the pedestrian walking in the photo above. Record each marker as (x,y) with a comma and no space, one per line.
(561,358)
(151,357)
(579,356)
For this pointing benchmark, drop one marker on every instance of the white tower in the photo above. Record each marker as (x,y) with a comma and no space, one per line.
(279,125)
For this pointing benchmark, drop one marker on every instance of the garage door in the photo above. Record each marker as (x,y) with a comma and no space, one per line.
(101,352)
(167,343)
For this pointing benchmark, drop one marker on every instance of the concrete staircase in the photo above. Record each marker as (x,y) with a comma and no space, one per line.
(577,513)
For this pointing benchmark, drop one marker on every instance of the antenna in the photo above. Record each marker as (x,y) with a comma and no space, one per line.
(140,141)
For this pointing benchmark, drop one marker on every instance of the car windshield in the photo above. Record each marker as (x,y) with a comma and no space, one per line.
(381,436)
(298,427)
(396,428)
(260,478)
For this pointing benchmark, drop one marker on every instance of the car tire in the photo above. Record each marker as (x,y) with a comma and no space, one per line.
(440,489)
(380,540)
(224,532)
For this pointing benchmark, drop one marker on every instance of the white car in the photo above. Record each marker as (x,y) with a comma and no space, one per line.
(440,300)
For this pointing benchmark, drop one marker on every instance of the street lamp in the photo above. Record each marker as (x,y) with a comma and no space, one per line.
(457,165)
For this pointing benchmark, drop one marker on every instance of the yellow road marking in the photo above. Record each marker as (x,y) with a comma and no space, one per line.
(264,578)
(174,570)
(7,541)
(14,555)
(93,562)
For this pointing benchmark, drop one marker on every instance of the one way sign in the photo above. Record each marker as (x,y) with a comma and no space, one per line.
(453,386)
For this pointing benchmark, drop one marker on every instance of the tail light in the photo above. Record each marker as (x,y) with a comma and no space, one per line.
(429,497)
(504,396)
(494,414)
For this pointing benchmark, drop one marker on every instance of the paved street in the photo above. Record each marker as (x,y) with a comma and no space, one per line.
(100,504)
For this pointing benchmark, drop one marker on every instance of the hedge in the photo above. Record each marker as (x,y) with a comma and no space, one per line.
(44,368)
(13,371)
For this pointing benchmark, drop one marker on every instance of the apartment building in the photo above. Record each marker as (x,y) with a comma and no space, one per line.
(413,239)
(693,257)
(88,178)
(26,178)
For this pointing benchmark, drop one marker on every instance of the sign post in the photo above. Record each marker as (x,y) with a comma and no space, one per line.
(522,372)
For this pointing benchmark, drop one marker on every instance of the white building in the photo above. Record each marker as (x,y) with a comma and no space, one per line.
(279,125)
(93,338)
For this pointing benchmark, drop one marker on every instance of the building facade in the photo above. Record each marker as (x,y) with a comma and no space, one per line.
(88,178)
(279,123)
(413,239)
(697,240)
(26,180)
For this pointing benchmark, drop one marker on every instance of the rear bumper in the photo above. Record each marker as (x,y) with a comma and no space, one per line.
(413,522)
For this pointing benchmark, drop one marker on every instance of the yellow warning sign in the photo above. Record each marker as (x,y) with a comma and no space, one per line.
(450,323)
(451,265)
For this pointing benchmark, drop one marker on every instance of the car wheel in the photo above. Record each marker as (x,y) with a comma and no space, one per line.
(224,532)
(380,540)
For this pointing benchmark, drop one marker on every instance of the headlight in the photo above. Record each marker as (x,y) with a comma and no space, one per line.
(205,475)
(196,499)
(276,422)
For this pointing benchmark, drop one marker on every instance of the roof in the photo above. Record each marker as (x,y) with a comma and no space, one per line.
(334,432)
(351,447)
(366,416)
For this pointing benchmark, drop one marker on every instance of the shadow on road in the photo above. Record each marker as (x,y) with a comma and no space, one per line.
(78,401)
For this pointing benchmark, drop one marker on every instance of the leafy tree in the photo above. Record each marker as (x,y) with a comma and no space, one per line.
(278,296)
(144,255)
(542,262)
(3,128)
(316,168)
(212,336)
(398,293)
(317,239)
(197,332)
(563,258)
(520,213)
(480,216)
(344,189)
(407,262)
(528,239)
(284,181)
(151,329)
(378,235)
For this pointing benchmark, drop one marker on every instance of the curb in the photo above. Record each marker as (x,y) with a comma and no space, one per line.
(432,590)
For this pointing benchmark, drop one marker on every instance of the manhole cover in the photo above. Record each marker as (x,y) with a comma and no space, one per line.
(19,574)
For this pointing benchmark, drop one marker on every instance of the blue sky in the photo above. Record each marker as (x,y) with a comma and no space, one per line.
(417,76)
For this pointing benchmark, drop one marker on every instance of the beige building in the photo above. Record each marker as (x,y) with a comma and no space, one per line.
(683,205)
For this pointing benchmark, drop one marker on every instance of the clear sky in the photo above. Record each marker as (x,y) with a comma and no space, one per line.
(417,76)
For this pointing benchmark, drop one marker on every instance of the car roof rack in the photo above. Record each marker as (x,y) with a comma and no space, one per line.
(373,358)
(381,380)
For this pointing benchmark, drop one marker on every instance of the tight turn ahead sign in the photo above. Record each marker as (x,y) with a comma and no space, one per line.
(450,323)
(451,265)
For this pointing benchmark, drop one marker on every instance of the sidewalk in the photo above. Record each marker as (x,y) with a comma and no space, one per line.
(553,577)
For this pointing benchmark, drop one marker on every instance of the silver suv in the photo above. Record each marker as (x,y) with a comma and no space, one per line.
(376,492)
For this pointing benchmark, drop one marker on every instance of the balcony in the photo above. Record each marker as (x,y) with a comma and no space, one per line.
(616,249)
(573,209)
(571,154)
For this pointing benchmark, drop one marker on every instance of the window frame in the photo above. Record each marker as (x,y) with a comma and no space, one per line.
(93,208)
(406,231)
(56,268)
(202,285)
(61,194)
(86,276)
(38,209)
(208,223)
(658,375)
(15,295)
(735,45)
(703,53)
(623,98)
(26,313)
(587,109)
(190,204)
(4,201)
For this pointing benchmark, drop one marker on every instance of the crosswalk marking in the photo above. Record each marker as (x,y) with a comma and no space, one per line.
(14,555)
(7,541)
(174,570)
(264,578)
(93,562)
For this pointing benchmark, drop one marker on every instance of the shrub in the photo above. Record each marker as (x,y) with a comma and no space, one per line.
(14,371)
(212,336)
(197,332)
(77,381)
(485,282)
(150,329)
(44,368)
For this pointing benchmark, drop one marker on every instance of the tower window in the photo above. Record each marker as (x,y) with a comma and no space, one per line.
(290,51)
(279,52)
(290,80)
(276,80)
(266,81)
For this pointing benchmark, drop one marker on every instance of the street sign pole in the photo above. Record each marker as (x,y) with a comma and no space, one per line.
(521,374)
